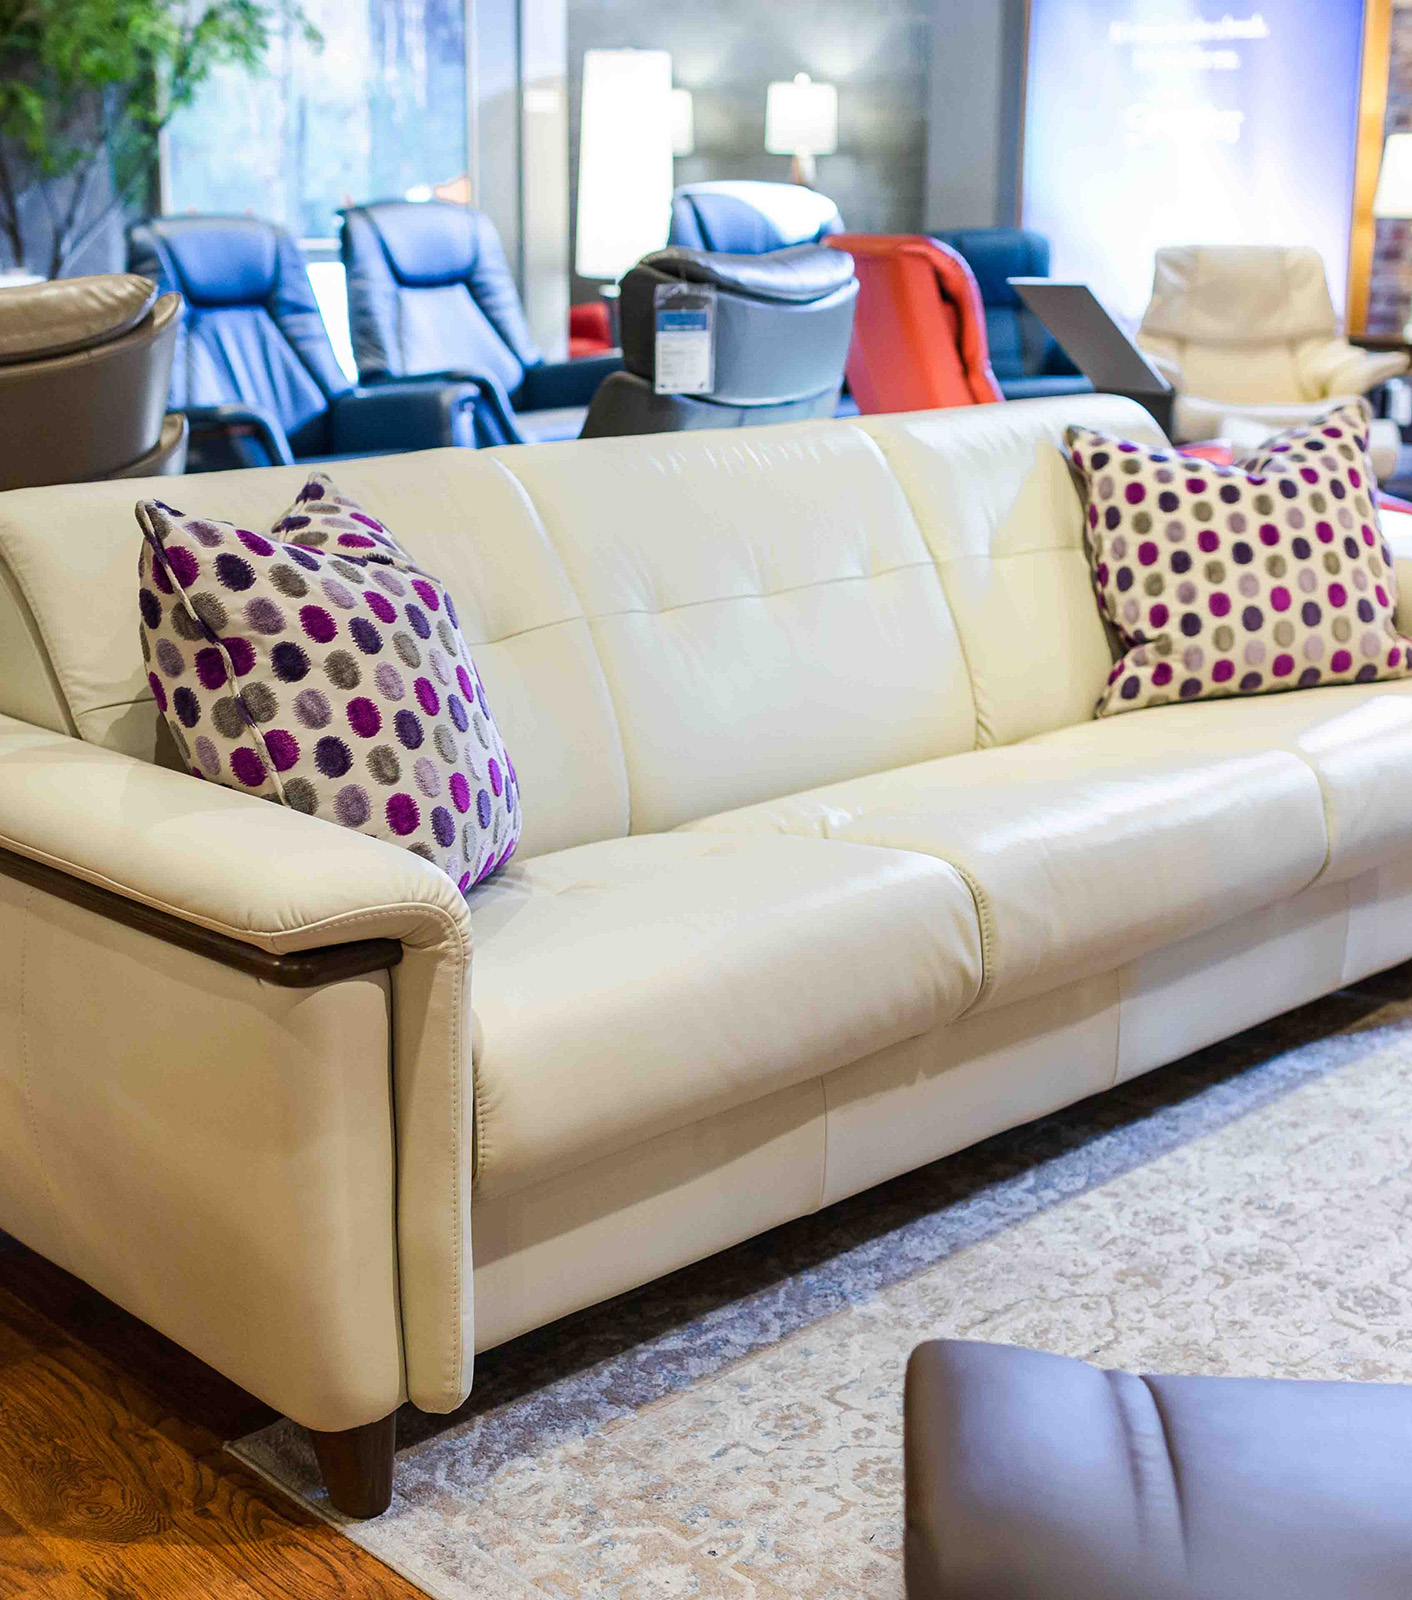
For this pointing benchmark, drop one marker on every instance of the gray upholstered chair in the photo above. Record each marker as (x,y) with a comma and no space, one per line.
(84,368)
(782,326)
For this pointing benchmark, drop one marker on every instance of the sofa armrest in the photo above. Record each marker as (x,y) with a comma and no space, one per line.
(281,884)
(566,383)
(403,416)
(185,854)
(230,418)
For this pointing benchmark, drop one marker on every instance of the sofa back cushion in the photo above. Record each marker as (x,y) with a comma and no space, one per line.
(670,625)
(997,505)
(764,607)
(71,558)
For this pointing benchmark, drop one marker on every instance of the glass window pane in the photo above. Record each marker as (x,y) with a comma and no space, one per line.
(379,111)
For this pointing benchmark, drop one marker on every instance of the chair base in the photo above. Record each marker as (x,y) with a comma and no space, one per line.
(166,458)
(357,1466)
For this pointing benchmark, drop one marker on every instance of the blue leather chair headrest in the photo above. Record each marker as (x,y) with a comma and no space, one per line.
(220,261)
(750,218)
(997,254)
(428,242)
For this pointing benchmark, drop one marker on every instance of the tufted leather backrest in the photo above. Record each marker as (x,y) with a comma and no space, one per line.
(429,290)
(253,333)
(668,626)
(69,654)
(1020,346)
(749,218)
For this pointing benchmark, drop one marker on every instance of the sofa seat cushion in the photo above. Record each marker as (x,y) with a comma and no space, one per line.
(1357,739)
(629,987)
(1080,861)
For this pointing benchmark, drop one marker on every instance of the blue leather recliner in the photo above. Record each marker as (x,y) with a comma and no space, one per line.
(430,295)
(1023,355)
(254,370)
(749,218)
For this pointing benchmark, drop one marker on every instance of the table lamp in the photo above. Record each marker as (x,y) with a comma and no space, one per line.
(801,121)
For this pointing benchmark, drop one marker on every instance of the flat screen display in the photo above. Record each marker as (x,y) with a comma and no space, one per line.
(1164,122)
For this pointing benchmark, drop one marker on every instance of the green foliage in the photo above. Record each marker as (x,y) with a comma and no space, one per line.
(89,84)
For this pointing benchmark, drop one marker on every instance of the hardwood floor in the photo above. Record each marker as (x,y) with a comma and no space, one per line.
(113,1483)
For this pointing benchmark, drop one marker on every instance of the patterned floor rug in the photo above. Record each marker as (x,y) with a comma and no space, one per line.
(734,1430)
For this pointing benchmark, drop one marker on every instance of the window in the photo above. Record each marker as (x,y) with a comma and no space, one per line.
(378,113)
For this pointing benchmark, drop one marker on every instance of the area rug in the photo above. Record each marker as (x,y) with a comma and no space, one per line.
(735,1430)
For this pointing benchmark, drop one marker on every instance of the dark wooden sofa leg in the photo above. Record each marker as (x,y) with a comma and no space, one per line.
(357,1466)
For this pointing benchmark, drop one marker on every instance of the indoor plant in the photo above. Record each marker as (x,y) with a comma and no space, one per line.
(86,87)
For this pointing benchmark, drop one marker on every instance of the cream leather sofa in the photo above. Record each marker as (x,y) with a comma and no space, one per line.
(1249,338)
(827,872)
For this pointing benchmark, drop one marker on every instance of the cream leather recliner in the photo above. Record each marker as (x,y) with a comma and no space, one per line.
(827,871)
(1248,336)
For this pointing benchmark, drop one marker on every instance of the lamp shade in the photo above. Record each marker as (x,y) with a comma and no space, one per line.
(1394,196)
(801,118)
(683,123)
(625,160)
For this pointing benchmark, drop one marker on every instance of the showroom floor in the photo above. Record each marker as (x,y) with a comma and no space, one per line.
(113,1481)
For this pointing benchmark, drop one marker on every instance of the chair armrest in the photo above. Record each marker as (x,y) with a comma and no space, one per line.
(226,419)
(1339,368)
(402,415)
(565,383)
(494,415)
(209,861)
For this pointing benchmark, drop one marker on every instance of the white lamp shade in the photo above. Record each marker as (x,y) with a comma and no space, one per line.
(683,123)
(801,118)
(1394,196)
(625,160)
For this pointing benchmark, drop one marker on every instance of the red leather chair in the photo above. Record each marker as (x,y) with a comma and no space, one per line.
(919,335)
(590,330)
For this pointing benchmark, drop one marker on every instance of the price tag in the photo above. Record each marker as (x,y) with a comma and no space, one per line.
(686,338)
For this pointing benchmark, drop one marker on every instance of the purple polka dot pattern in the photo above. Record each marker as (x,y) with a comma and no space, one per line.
(1266,576)
(261,650)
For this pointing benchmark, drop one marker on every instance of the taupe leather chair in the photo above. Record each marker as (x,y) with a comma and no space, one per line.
(85,364)
(1037,1477)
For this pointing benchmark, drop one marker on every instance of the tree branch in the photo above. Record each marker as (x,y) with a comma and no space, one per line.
(10,211)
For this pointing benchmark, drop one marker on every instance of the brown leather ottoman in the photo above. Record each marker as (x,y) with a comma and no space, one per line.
(1035,1477)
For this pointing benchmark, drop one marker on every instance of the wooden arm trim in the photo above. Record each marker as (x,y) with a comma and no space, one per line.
(302,969)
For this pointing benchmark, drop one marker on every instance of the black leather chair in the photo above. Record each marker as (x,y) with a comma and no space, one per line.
(1023,355)
(782,326)
(430,294)
(85,364)
(749,218)
(254,370)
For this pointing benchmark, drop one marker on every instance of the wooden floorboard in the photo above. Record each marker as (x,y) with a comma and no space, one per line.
(113,1482)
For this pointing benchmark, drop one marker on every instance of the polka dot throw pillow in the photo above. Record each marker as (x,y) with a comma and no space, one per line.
(1339,438)
(323,519)
(1226,581)
(332,679)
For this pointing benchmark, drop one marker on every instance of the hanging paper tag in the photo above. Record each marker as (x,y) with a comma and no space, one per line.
(686,338)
